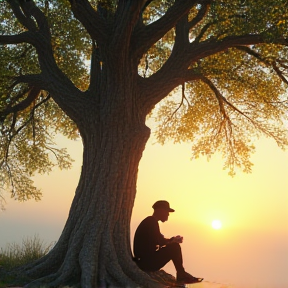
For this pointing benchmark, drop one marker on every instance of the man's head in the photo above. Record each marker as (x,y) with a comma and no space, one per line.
(161,210)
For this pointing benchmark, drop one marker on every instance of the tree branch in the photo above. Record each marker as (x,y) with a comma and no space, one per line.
(279,73)
(147,2)
(35,80)
(220,98)
(133,7)
(182,34)
(180,104)
(126,17)
(160,84)
(37,35)
(209,24)
(145,36)
(23,19)
(51,79)
(201,13)
(24,37)
(30,9)
(166,79)
(181,59)
(32,95)
(258,56)
(13,132)
(183,26)
(210,47)
(95,25)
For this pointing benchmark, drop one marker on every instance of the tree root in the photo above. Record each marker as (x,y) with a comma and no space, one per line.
(159,279)
(54,281)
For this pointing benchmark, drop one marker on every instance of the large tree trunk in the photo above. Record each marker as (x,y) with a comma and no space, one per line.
(95,243)
(94,248)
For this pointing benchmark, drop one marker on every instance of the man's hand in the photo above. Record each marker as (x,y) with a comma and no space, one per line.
(176,239)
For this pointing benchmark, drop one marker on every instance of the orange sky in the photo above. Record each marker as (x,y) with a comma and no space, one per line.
(251,249)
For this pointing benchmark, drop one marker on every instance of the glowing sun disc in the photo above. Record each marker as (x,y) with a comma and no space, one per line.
(216,224)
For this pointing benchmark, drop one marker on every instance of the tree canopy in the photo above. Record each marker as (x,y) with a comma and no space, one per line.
(213,73)
(233,92)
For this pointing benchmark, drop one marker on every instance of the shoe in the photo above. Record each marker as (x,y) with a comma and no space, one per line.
(187,278)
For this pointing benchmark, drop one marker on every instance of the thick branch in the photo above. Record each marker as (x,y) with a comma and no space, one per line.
(23,19)
(133,8)
(39,36)
(35,80)
(201,13)
(182,34)
(175,70)
(176,67)
(158,86)
(126,17)
(95,25)
(30,9)
(51,79)
(172,73)
(210,47)
(183,26)
(24,37)
(146,36)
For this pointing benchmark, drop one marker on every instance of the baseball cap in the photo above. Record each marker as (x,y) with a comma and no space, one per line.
(163,204)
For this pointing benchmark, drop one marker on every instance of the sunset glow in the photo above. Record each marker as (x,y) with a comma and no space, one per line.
(166,172)
(216,224)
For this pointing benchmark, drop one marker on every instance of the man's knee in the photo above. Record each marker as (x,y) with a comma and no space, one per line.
(175,245)
(175,248)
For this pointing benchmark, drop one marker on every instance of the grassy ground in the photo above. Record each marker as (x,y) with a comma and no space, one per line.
(14,255)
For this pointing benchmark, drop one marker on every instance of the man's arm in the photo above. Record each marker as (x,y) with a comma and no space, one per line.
(175,239)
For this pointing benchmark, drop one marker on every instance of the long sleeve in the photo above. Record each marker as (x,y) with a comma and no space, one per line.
(148,238)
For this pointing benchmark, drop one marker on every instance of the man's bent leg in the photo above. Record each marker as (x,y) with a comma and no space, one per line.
(175,252)
(154,262)
(161,257)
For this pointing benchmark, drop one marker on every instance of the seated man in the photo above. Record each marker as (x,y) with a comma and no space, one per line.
(152,251)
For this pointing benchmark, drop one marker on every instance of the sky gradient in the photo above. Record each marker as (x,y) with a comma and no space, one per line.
(251,248)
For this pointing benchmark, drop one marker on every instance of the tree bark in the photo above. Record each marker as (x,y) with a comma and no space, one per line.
(94,248)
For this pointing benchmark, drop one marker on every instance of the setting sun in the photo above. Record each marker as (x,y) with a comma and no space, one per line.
(216,224)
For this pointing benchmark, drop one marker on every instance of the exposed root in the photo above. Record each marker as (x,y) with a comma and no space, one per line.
(42,281)
(53,281)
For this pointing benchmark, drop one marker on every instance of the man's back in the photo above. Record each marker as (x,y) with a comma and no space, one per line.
(147,238)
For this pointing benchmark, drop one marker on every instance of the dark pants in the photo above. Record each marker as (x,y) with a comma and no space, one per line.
(160,258)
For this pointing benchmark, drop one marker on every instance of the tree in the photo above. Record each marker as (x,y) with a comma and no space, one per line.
(228,60)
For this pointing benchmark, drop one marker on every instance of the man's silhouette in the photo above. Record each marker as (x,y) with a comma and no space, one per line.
(152,251)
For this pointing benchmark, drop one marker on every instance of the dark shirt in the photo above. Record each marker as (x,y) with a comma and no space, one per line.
(148,238)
